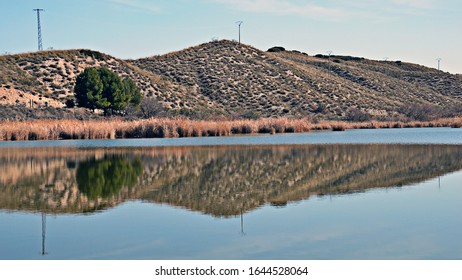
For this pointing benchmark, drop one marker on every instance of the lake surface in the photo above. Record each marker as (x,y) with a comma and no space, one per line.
(298,196)
(362,136)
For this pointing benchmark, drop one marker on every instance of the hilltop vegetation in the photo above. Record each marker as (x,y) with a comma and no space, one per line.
(232,80)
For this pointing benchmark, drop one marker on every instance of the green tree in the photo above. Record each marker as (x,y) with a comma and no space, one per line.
(132,92)
(113,90)
(103,89)
(88,89)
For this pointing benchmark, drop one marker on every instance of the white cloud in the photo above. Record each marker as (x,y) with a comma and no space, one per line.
(410,7)
(139,5)
(418,4)
(287,7)
(333,10)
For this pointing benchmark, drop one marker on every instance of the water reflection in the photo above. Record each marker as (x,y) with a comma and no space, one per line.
(219,181)
(44,233)
(105,177)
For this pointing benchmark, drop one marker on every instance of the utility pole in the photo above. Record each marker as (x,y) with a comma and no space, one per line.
(328,59)
(239,23)
(39,28)
(439,62)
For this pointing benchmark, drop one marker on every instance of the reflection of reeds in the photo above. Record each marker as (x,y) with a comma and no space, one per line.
(180,127)
(243,177)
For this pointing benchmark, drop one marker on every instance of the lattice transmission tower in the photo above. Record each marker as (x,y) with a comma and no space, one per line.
(40,47)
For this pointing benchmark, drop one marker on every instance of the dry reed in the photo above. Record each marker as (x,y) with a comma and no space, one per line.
(180,127)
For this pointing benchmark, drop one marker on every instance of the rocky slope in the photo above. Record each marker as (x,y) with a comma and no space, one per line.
(235,80)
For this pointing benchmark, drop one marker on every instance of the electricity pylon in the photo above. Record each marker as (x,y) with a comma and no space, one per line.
(39,29)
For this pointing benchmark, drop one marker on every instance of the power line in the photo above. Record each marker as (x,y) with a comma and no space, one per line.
(39,28)
(239,23)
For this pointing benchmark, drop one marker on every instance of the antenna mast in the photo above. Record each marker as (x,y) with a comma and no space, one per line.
(439,62)
(239,23)
(39,29)
(329,53)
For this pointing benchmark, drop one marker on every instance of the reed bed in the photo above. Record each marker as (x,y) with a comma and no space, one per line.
(180,127)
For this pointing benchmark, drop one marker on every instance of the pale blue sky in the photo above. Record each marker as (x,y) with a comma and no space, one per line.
(416,31)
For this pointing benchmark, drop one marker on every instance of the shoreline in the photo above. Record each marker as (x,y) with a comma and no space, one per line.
(180,127)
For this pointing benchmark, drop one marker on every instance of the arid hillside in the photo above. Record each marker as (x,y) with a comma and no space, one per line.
(225,78)
(47,79)
(239,79)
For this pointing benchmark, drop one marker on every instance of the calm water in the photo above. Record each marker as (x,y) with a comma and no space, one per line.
(220,198)
(365,136)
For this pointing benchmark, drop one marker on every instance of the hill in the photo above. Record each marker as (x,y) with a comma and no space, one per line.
(236,78)
(225,78)
(47,78)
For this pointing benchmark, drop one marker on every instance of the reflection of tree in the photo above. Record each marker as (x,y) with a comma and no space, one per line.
(220,181)
(106,177)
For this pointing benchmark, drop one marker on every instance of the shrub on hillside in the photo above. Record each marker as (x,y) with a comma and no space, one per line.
(320,108)
(94,54)
(250,115)
(356,115)
(70,103)
(151,107)
(452,111)
(421,112)
(276,49)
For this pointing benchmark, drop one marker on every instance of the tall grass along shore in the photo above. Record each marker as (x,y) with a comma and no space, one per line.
(180,127)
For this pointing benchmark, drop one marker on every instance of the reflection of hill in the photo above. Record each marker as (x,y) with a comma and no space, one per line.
(227,181)
(220,181)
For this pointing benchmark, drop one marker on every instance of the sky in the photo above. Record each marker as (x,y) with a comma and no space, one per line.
(417,31)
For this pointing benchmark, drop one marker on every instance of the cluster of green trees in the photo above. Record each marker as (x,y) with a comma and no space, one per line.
(103,89)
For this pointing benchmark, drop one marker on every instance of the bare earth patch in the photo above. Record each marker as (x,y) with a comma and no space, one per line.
(18,97)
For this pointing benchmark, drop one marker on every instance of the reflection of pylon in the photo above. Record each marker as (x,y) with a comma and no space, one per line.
(39,29)
(44,232)
(242,223)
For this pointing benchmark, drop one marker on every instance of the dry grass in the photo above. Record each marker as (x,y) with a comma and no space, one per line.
(180,127)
